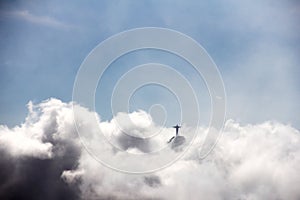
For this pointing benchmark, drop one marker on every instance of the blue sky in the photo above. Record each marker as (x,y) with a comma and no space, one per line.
(255,45)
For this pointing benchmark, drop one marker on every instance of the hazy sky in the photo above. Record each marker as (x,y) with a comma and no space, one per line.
(255,45)
(53,154)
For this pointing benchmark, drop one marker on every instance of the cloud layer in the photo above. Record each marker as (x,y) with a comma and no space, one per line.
(43,159)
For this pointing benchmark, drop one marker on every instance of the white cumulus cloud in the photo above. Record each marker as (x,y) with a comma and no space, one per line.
(254,161)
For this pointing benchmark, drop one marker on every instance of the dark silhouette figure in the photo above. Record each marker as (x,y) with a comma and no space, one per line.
(177,127)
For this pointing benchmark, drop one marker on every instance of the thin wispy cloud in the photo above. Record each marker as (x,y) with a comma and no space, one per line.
(38,19)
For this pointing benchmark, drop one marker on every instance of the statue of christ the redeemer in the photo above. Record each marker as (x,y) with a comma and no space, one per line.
(177,127)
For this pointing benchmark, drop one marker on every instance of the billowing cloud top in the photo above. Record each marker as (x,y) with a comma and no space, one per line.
(43,159)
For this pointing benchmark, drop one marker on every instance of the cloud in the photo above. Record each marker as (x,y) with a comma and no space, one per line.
(40,20)
(35,155)
(254,161)
(20,143)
